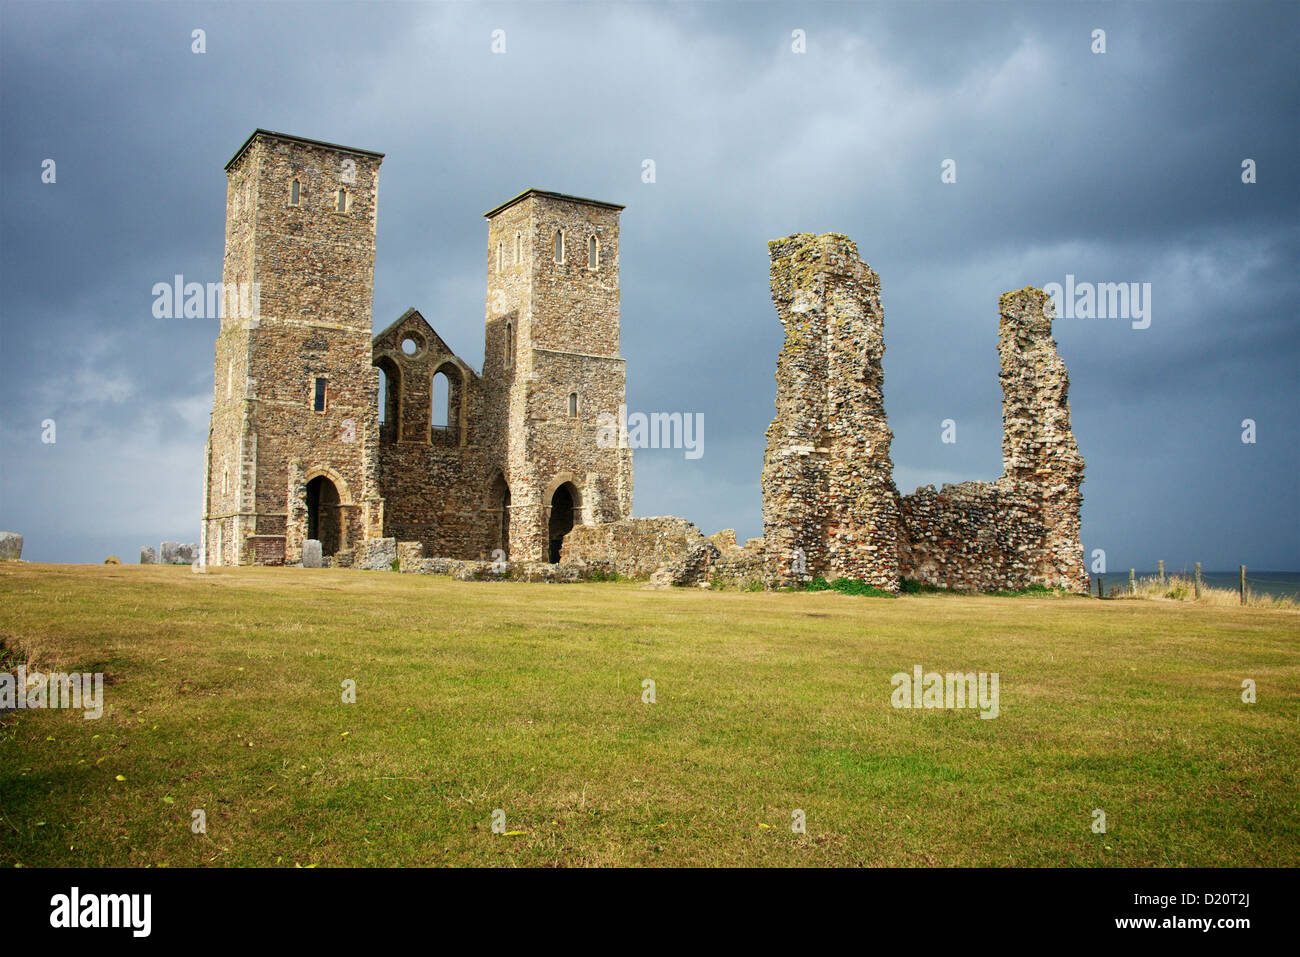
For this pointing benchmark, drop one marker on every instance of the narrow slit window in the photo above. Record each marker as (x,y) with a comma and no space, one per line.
(559,246)
(318,398)
(343,200)
(573,405)
(510,345)
(499,254)
(593,253)
(295,192)
(519,248)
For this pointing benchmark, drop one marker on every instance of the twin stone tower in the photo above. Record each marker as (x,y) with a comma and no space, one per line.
(322,430)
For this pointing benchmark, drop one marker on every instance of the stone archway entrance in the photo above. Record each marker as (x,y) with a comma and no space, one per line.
(564,505)
(324,516)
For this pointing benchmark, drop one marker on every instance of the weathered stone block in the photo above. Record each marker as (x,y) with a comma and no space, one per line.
(311,554)
(175,553)
(148,556)
(634,547)
(409,555)
(377,555)
(11,546)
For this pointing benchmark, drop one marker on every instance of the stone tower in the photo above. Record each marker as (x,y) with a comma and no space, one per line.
(552,367)
(1039,452)
(292,443)
(829,502)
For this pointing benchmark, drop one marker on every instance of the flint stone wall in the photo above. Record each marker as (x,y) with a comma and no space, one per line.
(829,503)
(828,492)
(976,536)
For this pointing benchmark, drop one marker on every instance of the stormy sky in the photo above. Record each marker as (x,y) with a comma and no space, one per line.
(1122,166)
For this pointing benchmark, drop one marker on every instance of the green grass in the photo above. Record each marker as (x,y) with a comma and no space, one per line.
(225,695)
(846,586)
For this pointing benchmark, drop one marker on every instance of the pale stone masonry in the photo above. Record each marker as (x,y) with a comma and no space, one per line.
(830,508)
(829,503)
(299,448)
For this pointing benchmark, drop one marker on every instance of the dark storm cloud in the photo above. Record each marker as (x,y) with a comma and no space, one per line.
(1116,167)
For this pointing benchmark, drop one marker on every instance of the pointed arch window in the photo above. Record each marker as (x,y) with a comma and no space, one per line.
(573,405)
(559,246)
(342,198)
(295,192)
(593,253)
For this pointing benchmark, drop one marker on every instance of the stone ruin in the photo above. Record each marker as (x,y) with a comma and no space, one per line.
(829,504)
(11,547)
(830,507)
(172,553)
(305,466)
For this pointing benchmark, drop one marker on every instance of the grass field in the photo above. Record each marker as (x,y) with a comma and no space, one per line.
(225,694)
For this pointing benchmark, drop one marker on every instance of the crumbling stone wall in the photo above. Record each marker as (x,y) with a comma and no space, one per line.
(1024,528)
(634,547)
(828,494)
(976,536)
(1039,452)
(829,502)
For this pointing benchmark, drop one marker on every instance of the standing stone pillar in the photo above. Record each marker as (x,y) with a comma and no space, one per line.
(829,504)
(1039,453)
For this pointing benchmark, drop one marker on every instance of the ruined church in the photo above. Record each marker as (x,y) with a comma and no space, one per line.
(468,464)
(329,440)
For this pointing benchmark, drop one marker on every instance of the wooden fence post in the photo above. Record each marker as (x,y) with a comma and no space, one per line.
(1198,581)
(1132,583)
(1243,584)
(1160,570)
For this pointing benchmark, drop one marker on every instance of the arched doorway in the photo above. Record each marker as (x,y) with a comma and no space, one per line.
(499,511)
(565,502)
(324,517)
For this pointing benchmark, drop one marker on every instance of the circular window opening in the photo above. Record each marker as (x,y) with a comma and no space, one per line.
(410,346)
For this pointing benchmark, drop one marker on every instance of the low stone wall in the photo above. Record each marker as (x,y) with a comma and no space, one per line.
(976,536)
(634,547)
(717,561)
(471,571)
(740,566)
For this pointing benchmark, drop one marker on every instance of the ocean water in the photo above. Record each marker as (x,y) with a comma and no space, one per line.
(1273,584)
